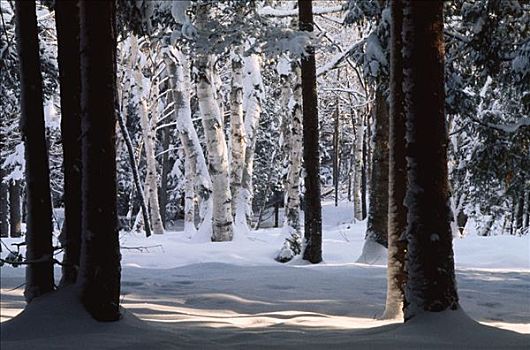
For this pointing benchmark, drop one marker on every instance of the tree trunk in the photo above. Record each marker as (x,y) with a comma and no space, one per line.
(4,209)
(67,24)
(336,152)
(151,183)
(179,81)
(397,174)
(39,251)
(15,219)
(431,279)
(166,168)
(237,126)
(215,140)
(358,168)
(99,276)
(253,100)
(377,226)
(313,211)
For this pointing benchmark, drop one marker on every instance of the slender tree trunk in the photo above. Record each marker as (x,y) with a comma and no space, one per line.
(358,168)
(39,273)
(166,168)
(336,152)
(127,138)
(431,283)
(151,186)
(15,219)
(4,209)
(253,100)
(67,24)
(179,81)
(99,276)
(238,137)
(397,174)
(215,140)
(313,211)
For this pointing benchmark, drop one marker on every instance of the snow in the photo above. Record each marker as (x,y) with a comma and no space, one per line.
(179,294)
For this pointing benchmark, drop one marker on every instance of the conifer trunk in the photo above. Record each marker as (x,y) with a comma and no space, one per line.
(67,24)
(431,283)
(39,251)
(99,276)
(15,210)
(313,210)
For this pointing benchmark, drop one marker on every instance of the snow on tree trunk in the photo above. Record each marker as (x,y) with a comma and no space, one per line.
(253,97)
(148,126)
(100,271)
(39,274)
(358,168)
(431,285)
(397,175)
(377,225)
(217,151)
(67,24)
(198,175)
(238,135)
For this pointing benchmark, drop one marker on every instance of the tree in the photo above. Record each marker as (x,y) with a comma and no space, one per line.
(39,251)
(67,24)
(430,265)
(397,173)
(15,218)
(377,224)
(99,276)
(313,210)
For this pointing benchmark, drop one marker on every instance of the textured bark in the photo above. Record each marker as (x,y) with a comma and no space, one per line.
(431,283)
(15,218)
(253,99)
(67,24)
(294,143)
(166,168)
(215,140)
(39,273)
(377,225)
(99,276)
(313,210)
(127,138)
(358,168)
(397,174)
(179,81)
(151,183)
(239,143)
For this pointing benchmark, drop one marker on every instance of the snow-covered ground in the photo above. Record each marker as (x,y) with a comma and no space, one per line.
(234,295)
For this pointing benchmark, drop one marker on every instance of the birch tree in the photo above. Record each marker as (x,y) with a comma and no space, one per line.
(215,140)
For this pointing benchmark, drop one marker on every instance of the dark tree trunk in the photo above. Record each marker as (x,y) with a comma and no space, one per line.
(39,251)
(313,210)
(364,175)
(430,265)
(166,168)
(377,225)
(15,218)
(336,152)
(99,276)
(519,213)
(397,173)
(67,24)
(4,209)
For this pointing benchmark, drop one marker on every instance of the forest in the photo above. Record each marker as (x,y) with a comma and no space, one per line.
(196,174)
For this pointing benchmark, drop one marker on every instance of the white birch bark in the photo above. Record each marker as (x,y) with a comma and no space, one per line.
(151,187)
(252,102)
(215,142)
(357,174)
(292,200)
(238,134)
(198,181)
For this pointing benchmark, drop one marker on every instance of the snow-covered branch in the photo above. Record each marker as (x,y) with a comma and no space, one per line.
(268,11)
